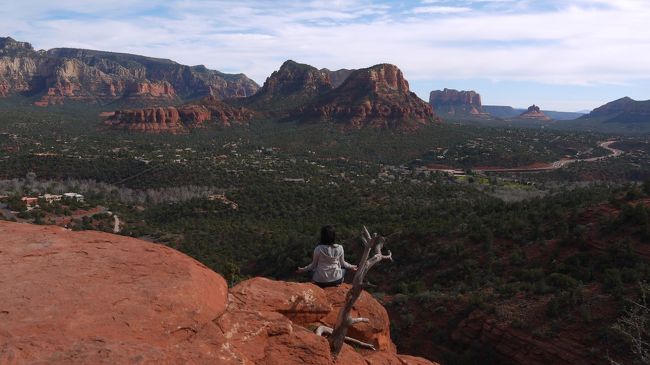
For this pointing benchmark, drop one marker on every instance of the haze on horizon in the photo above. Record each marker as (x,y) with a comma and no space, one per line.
(566,55)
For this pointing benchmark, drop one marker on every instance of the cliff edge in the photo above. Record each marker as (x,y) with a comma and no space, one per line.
(91,298)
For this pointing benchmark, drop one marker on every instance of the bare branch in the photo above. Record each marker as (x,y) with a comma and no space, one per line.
(353,321)
(324,330)
(371,242)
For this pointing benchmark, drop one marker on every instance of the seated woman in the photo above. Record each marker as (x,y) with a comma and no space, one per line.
(328,263)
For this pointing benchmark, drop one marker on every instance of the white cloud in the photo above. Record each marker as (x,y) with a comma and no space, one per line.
(441,10)
(565,42)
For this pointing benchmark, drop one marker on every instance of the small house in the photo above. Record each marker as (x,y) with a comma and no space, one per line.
(75,196)
(30,202)
(50,198)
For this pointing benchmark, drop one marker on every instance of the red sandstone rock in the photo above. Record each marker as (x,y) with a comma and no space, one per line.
(177,120)
(153,120)
(413,360)
(376,332)
(375,97)
(534,112)
(301,302)
(105,76)
(154,89)
(453,102)
(92,297)
(4,88)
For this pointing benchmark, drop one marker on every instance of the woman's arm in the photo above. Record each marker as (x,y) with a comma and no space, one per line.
(345,264)
(313,265)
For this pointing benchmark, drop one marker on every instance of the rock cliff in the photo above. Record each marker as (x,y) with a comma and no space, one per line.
(292,85)
(62,74)
(374,97)
(456,103)
(179,119)
(91,297)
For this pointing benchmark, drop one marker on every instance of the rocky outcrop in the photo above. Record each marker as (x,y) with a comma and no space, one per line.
(289,87)
(62,74)
(456,103)
(300,302)
(307,304)
(376,331)
(534,113)
(91,297)
(374,97)
(152,120)
(178,119)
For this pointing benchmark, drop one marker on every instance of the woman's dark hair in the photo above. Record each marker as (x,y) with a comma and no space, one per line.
(327,235)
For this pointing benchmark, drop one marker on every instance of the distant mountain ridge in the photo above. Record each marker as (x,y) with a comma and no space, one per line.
(624,110)
(63,74)
(505,112)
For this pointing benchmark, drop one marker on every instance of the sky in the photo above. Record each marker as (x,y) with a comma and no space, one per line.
(566,55)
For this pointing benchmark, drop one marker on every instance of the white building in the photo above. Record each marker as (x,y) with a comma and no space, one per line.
(77,197)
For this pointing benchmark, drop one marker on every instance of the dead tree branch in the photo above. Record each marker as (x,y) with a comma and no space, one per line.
(324,330)
(373,243)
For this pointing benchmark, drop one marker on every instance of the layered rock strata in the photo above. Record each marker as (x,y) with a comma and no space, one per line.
(63,74)
(456,103)
(376,97)
(179,119)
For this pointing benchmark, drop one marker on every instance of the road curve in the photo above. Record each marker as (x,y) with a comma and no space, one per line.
(563,163)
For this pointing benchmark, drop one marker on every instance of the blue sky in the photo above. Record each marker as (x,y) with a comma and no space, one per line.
(559,54)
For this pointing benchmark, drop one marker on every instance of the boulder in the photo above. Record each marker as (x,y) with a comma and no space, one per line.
(97,298)
(91,297)
(303,303)
(376,332)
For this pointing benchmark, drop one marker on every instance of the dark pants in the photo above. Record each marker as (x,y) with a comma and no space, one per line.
(332,283)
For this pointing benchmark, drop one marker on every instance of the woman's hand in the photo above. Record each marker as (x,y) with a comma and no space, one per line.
(354,268)
(300,270)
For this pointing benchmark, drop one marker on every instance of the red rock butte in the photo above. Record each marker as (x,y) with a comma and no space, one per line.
(91,297)
(376,97)
(178,119)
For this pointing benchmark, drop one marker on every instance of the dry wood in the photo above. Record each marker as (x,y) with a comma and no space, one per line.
(372,243)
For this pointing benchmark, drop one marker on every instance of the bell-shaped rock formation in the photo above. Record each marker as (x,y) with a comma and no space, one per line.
(534,113)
